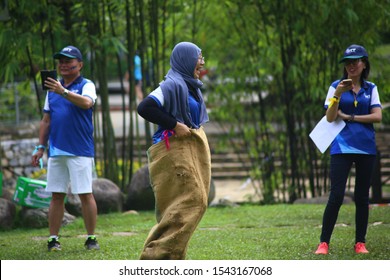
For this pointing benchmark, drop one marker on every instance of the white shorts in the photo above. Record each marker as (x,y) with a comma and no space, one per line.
(63,170)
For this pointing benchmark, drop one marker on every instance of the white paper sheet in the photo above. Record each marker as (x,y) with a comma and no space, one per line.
(325,132)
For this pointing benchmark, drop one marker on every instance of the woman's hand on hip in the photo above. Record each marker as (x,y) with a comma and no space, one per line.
(182,130)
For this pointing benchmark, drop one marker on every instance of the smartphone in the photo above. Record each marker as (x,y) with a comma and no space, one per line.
(347,82)
(46,74)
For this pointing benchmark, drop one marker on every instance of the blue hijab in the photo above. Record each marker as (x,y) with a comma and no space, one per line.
(183,61)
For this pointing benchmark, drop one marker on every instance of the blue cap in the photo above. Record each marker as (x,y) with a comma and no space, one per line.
(354,52)
(69,51)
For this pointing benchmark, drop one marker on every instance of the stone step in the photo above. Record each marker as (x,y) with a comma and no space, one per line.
(237,175)
(232,165)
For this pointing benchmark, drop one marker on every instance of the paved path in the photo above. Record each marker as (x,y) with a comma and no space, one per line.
(233,190)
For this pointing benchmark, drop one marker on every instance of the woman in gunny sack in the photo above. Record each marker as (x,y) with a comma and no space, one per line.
(179,159)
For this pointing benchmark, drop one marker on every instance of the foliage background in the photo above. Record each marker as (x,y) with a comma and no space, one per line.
(270,63)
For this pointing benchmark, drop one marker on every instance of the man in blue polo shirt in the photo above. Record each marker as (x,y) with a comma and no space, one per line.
(67,126)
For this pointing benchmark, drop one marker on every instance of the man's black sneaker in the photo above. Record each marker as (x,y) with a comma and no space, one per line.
(91,243)
(53,245)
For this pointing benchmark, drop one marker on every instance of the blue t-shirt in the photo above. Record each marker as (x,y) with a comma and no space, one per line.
(356,137)
(194,106)
(71,127)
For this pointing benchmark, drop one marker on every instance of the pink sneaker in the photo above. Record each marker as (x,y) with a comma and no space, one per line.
(322,249)
(360,248)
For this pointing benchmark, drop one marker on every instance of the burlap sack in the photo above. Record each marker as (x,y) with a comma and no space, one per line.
(180,177)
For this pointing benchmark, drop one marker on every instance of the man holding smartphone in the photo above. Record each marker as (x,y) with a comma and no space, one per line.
(67,127)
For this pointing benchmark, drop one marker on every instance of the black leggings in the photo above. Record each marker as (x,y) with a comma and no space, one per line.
(340,166)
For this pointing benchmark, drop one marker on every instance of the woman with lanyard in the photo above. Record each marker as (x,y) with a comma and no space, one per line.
(179,159)
(356,101)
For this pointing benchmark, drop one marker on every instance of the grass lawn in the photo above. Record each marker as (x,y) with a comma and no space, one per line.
(248,232)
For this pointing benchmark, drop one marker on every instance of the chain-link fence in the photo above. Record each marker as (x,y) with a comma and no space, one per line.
(19,104)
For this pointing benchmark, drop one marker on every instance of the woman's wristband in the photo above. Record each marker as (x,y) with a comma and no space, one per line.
(333,100)
(351,118)
(40,147)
